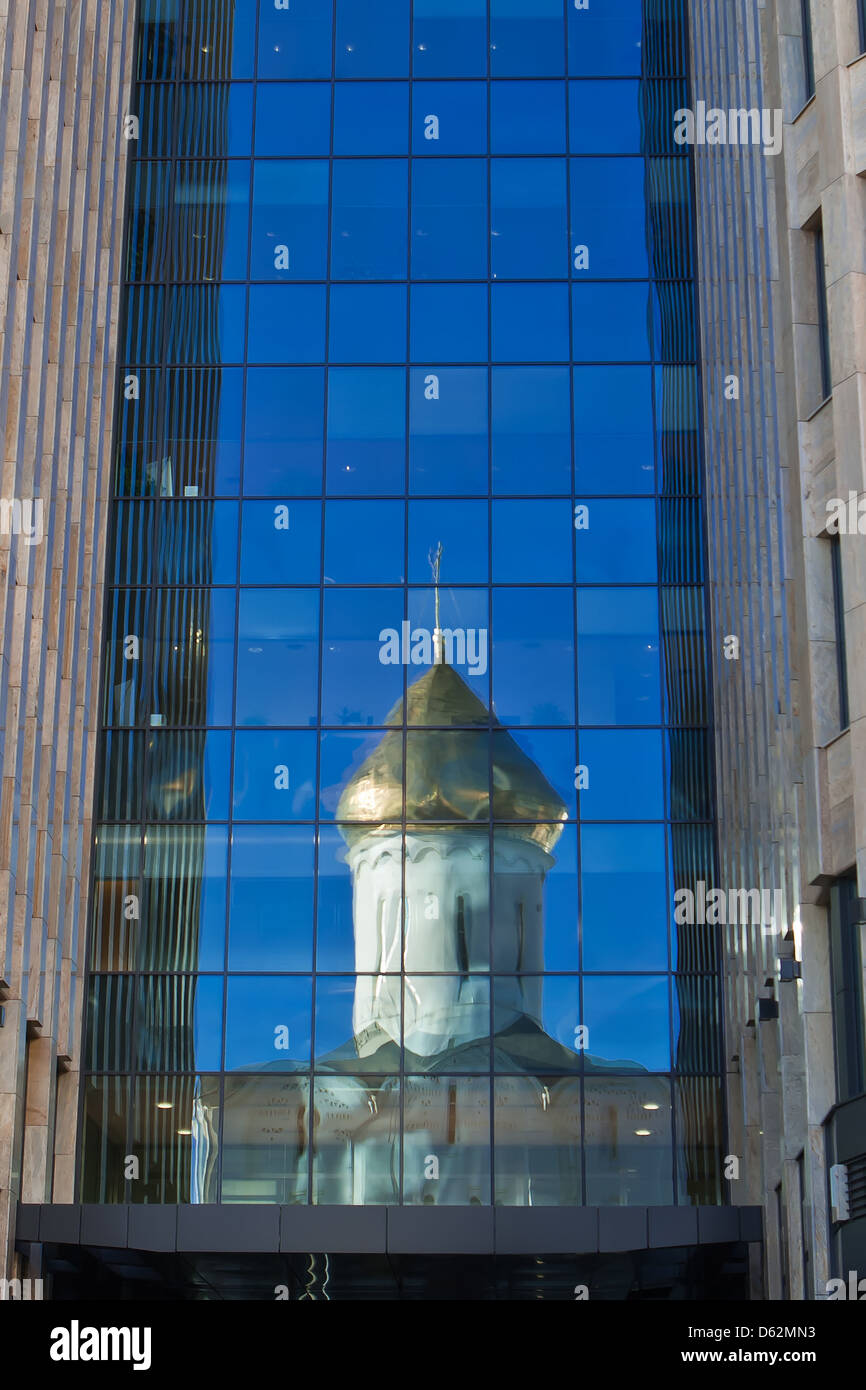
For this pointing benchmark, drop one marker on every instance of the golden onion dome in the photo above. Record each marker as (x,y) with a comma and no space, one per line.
(448,773)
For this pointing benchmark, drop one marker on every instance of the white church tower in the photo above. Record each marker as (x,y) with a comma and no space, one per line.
(430,903)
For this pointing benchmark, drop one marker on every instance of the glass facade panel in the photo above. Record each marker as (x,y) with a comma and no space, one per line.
(405,734)
(271,898)
(265,1139)
(289,237)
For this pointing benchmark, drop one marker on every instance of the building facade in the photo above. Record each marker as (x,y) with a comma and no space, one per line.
(782,293)
(432,512)
(61,225)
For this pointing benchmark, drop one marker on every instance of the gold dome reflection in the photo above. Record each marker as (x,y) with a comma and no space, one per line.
(448,775)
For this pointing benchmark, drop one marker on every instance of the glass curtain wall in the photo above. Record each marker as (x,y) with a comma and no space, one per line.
(406,742)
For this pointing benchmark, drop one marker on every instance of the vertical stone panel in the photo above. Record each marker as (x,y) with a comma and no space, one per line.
(789,815)
(64,77)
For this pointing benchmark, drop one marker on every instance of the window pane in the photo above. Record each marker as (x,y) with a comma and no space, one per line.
(618,657)
(197,543)
(265,1139)
(213,118)
(618,132)
(371,118)
(349,557)
(533,656)
(356,1140)
(446,1016)
(106,1047)
(117,865)
(560,902)
(295,42)
(144,324)
(529,223)
(609,216)
(465,623)
(677,422)
(290,220)
(613,430)
(560,1018)
(342,756)
(286,323)
(527,118)
(183,909)
(217,41)
(532,542)
(611,323)
(628,1017)
(625,775)
(293,118)
(335,929)
(449,219)
(538,1159)
(188,776)
(449,323)
(526,38)
(432,755)
(274,776)
(450,38)
(210,221)
(203,432)
(147,232)
(369,236)
(615,541)
(697,1029)
(119,789)
(449,118)
(357,686)
(448,1117)
(268,1023)
(606,41)
(366,429)
(700,1142)
(104,1142)
(179,1023)
(531,429)
(283,432)
(372,38)
(629,1148)
(461,528)
(624,898)
(530,323)
(193,657)
(351,1014)
(278,633)
(175,1121)
(120,783)
(368,323)
(281,542)
(205,325)
(125,694)
(552,751)
(448,430)
(130,545)
(271,903)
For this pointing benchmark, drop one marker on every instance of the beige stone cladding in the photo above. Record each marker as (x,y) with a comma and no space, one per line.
(791,780)
(64,80)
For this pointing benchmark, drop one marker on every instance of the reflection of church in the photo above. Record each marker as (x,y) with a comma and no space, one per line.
(431,902)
